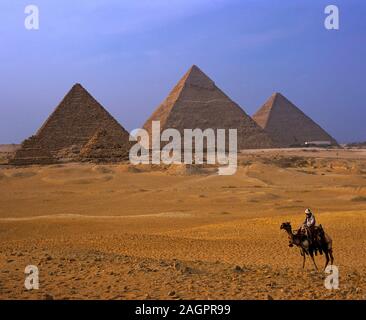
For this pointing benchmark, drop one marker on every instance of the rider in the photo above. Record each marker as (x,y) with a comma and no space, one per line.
(308,227)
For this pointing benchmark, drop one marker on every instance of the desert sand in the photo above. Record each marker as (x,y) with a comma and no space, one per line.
(147,232)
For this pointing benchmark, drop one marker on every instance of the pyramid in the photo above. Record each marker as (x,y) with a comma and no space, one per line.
(107,145)
(197,103)
(71,126)
(287,125)
(31,152)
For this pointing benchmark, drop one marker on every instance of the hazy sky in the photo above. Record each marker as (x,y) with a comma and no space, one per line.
(130,53)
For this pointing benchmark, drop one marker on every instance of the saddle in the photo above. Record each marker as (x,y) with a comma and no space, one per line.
(315,235)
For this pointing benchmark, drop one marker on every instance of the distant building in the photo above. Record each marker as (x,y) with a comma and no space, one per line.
(318,143)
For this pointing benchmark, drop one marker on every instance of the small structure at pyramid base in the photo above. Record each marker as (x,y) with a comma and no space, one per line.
(197,103)
(32,152)
(106,146)
(78,123)
(288,126)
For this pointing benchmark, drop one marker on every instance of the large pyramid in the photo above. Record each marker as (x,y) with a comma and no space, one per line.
(287,125)
(196,102)
(75,123)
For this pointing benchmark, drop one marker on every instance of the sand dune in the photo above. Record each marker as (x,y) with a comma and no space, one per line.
(112,232)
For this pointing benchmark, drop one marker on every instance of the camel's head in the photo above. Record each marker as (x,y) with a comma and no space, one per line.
(286,226)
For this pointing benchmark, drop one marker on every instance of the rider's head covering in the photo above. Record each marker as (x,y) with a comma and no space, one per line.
(307,211)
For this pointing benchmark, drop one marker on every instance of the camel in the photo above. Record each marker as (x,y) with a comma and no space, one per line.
(307,247)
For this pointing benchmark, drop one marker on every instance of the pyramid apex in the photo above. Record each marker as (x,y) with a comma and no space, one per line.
(277,94)
(194,69)
(196,77)
(77,85)
(275,98)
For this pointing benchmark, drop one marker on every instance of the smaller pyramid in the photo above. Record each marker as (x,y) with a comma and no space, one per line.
(73,123)
(32,152)
(107,145)
(287,125)
(197,103)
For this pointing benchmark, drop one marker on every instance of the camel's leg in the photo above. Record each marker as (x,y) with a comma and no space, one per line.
(312,258)
(331,256)
(327,259)
(304,257)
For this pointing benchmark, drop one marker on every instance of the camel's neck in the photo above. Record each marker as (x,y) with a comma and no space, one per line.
(290,234)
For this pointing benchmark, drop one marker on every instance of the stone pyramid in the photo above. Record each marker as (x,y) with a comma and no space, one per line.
(287,125)
(31,152)
(196,102)
(71,126)
(107,145)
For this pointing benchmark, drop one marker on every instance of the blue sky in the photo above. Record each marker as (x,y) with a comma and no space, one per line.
(130,53)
